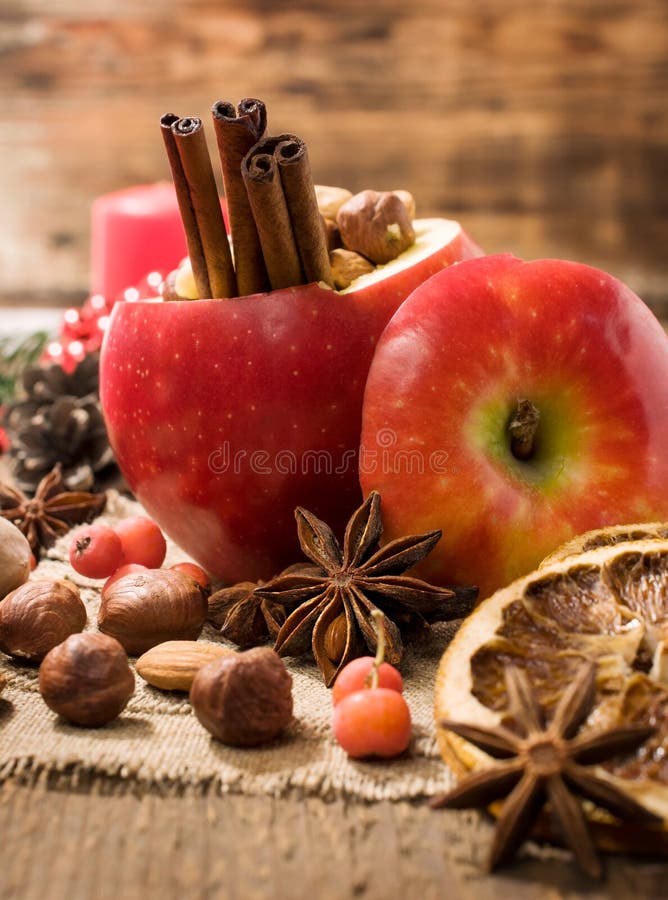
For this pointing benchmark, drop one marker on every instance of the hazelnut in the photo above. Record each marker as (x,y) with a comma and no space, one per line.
(244,700)
(330,199)
(377,225)
(408,200)
(39,615)
(147,608)
(87,679)
(14,558)
(347,266)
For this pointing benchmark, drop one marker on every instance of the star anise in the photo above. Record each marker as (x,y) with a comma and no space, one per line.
(547,763)
(52,512)
(246,618)
(242,616)
(331,609)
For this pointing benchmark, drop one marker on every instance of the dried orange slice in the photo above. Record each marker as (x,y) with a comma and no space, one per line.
(610,605)
(606,537)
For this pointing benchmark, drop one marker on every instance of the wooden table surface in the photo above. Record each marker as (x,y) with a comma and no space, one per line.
(96,845)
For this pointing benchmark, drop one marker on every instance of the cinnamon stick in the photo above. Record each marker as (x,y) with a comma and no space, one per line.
(215,277)
(305,217)
(196,162)
(193,241)
(237,130)
(272,219)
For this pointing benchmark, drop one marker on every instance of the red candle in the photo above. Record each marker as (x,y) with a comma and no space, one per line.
(134,231)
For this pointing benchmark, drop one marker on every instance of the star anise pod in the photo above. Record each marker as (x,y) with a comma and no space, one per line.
(52,512)
(242,617)
(547,763)
(331,610)
(246,618)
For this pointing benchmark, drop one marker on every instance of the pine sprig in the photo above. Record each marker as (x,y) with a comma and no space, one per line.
(15,356)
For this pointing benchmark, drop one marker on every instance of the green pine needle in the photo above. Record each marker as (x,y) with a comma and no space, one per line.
(15,356)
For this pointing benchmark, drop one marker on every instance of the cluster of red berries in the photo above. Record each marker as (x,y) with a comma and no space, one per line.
(371,716)
(83,328)
(135,544)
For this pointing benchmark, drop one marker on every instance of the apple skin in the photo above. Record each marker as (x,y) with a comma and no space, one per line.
(224,415)
(447,373)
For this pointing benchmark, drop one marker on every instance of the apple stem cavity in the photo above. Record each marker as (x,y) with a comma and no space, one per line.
(522,428)
(372,677)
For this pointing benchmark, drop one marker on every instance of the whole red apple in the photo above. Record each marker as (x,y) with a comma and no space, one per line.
(225,415)
(513,405)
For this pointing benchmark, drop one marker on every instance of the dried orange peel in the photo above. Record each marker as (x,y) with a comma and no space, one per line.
(607,537)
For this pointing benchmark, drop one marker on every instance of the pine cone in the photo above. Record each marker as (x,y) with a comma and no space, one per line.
(44,384)
(60,421)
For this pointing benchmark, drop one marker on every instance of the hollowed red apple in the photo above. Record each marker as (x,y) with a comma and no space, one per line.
(225,415)
(447,381)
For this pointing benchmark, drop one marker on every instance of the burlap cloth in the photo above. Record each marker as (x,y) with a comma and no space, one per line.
(158,744)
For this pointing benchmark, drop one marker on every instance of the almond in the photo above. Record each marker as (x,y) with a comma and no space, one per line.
(171,666)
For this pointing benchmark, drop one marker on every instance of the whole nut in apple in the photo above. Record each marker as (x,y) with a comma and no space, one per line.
(14,558)
(87,679)
(330,199)
(519,403)
(407,199)
(376,224)
(244,700)
(147,608)
(347,266)
(37,616)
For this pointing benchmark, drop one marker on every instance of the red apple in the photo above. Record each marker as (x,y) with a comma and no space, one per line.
(443,389)
(225,415)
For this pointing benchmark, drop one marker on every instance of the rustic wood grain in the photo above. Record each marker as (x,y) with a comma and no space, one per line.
(69,845)
(542,126)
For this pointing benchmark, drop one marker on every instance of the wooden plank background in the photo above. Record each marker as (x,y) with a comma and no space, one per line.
(101,846)
(542,126)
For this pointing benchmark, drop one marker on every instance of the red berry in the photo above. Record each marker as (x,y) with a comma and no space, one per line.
(33,562)
(95,551)
(353,677)
(127,569)
(142,542)
(373,722)
(195,571)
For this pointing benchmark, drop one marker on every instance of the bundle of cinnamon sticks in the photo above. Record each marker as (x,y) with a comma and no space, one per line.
(277,232)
